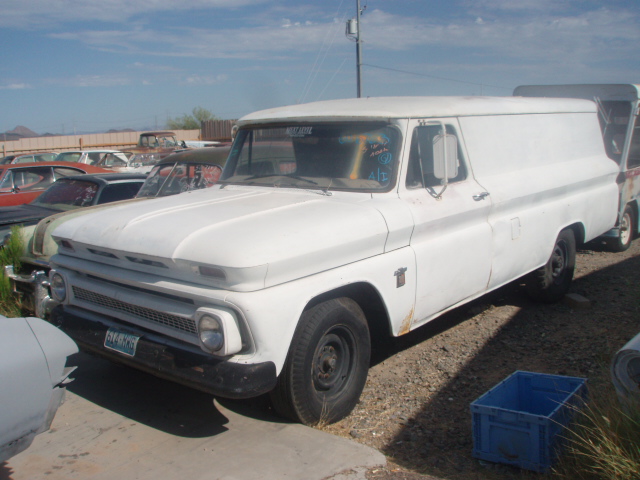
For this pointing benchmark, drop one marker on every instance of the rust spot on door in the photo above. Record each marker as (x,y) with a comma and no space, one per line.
(405,326)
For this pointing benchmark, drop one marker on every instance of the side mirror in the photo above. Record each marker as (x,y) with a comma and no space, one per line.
(445,167)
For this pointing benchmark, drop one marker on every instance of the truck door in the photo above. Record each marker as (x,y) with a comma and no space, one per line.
(452,236)
(630,194)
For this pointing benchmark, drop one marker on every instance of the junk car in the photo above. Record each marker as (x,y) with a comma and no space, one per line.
(34,375)
(180,172)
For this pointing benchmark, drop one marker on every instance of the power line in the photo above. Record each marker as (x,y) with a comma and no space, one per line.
(436,77)
(324,50)
(331,79)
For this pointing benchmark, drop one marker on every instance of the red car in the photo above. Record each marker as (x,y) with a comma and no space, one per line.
(20,183)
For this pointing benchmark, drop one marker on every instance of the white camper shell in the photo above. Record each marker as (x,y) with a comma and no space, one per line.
(334,222)
(618,109)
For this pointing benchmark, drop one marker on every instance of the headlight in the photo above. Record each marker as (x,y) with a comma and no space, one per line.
(211,333)
(58,288)
(218,331)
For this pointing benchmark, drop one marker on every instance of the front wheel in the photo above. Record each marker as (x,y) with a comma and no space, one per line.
(327,364)
(626,231)
(551,282)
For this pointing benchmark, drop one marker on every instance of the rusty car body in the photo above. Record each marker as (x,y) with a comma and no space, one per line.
(23,182)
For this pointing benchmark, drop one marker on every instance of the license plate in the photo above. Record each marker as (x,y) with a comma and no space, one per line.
(122,342)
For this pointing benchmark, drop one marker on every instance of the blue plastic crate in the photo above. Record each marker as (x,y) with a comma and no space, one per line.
(517,422)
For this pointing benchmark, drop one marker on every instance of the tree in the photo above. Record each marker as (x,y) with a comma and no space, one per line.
(191,122)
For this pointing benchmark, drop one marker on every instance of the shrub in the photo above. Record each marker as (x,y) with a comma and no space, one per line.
(10,254)
(604,440)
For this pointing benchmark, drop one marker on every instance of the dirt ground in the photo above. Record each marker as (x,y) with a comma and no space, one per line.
(415,405)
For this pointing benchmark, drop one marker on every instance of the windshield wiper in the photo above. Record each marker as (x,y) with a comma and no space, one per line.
(261,175)
(265,175)
(296,177)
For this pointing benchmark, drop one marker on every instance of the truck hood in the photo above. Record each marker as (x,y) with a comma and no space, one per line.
(257,237)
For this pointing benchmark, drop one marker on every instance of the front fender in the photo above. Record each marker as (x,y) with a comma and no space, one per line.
(273,313)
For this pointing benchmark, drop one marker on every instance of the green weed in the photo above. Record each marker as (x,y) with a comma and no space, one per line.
(10,254)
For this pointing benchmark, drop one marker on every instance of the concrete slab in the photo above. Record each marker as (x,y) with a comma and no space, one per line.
(120,423)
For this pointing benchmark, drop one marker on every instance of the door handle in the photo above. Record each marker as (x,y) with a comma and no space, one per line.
(480,196)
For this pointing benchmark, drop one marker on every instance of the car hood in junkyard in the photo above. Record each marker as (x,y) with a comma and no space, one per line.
(24,214)
(282,231)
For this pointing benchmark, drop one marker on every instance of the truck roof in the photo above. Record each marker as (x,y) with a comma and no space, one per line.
(157,134)
(604,91)
(417,107)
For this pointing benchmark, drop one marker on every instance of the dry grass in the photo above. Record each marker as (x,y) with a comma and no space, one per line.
(604,441)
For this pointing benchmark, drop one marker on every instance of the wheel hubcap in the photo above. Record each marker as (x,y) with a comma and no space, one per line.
(333,360)
(625,231)
(559,260)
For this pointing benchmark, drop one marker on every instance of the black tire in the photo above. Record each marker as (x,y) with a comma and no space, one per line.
(327,364)
(551,282)
(627,231)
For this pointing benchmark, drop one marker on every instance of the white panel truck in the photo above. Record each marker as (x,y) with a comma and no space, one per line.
(618,110)
(334,223)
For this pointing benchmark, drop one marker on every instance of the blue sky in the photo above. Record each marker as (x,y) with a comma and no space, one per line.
(88,65)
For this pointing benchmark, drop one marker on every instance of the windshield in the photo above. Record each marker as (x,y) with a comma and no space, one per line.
(144,159)
(355,156)
(171,179)
(69,157)
(68,194)
(158,141)
(167,142)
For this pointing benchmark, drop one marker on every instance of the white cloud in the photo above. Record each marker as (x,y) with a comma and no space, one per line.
(151,67)
(93,81)
(197,80)
(14,86)
(247,43)
(544,35)
(585,35)
(24,14)
(517,5)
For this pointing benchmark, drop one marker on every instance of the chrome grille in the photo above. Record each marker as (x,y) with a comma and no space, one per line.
(173,321)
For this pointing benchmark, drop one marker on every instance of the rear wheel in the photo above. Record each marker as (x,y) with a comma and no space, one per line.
(551,282)
(327,364)
(627,229)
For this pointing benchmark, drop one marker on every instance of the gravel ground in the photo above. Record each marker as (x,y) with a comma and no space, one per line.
(415,405)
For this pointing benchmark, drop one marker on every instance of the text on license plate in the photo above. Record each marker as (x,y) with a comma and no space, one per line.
(121,341)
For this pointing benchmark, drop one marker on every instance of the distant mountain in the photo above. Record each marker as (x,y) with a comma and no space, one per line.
(22,132)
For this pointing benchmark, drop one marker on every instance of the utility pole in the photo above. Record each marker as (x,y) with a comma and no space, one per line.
(354,33)
(359,50)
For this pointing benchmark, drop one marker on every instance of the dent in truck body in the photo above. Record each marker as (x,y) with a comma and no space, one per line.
(287,239)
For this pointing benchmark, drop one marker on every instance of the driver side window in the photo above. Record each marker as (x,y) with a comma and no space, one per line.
(421,160)
(7,182)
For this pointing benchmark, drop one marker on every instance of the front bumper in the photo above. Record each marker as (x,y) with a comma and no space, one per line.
(33,290)
(172,360)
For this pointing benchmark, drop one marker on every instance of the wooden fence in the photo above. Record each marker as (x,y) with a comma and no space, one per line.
(219,130)
(112,141)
